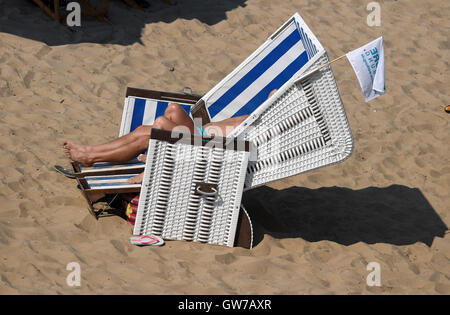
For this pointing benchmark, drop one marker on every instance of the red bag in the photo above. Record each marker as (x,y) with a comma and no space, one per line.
(131,209)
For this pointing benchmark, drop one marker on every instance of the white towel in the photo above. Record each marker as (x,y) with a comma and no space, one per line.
(368,64)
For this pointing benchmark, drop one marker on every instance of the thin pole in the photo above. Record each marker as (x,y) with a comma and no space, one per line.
(56,8)
(329,63)
(322,66)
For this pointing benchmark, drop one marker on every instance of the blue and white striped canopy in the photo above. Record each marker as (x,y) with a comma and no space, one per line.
(280,58)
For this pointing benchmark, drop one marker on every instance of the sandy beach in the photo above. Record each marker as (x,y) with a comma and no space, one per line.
(315,233)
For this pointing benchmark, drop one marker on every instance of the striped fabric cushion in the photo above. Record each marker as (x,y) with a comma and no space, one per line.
(279,59)
(108,166)
(110,181)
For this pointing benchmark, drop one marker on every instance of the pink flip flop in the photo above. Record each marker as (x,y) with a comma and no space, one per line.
(146,240)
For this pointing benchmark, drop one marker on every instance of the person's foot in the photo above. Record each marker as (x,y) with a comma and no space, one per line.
(136,179)
(142,158)
(66,152)
(68,145)
(79,156)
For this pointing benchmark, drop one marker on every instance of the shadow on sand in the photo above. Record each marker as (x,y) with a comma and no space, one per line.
(23,18)
(397,215)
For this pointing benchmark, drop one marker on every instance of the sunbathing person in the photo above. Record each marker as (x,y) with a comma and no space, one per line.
(131,145)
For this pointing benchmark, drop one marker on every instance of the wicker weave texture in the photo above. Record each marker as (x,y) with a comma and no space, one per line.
(302,129)
(169,206)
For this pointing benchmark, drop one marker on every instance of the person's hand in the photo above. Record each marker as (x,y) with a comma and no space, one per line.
(272,93)
(142,158)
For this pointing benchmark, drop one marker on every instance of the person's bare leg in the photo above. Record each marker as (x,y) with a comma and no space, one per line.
(173,116)
(214,129)
(121,153)
(174,113)
(108,146)
(225,127)
(178,115)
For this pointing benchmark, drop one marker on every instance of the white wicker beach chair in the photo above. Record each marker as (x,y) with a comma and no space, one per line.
(110,182)
(192,188)
(300,128)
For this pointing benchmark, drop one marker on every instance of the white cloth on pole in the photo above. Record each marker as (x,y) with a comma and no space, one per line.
(368,64)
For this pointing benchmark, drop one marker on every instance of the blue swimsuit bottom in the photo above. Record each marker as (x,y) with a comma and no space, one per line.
(202,131)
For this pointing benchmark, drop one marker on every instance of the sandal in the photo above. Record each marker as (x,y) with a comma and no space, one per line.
(65,171)
(146,239)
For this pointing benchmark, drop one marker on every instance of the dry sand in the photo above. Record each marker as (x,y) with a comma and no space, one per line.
(316,232)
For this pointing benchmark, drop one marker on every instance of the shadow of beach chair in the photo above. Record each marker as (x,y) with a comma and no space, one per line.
(143,4)
(57,11)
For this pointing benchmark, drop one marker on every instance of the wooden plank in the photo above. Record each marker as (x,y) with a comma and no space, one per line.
(133,4)
(243,236)
(46,9)
(100,14)
(168,96)
(56,8)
